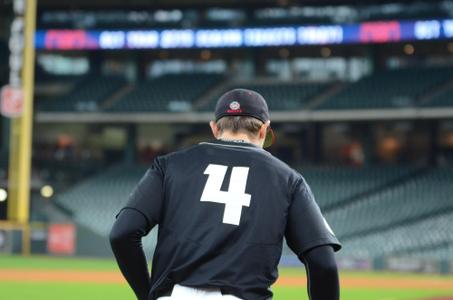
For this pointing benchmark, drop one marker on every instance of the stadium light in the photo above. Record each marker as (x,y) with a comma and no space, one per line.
(450,47)
(409,49)
(47,191)
(326,52)
(205,54)
(3,195)
(284,53)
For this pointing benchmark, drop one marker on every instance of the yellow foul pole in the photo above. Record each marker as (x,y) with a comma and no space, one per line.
(21,129)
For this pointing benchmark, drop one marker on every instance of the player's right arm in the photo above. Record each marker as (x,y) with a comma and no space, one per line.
(126,242)
(135,220)
(312,240)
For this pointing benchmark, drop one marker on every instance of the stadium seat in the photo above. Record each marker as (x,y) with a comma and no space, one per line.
(422,196)
(174,93)
(429,238)
(95,201)
(387,216)
(87,95)
(344,183)
(388,89)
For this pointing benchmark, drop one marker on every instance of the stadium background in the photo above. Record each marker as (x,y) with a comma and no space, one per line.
(361,99)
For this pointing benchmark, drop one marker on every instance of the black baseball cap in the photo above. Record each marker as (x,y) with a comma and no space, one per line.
(243,102)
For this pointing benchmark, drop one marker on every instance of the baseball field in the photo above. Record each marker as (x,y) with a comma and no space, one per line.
(46,278)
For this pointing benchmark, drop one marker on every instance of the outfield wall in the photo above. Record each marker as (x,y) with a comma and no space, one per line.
(57,240)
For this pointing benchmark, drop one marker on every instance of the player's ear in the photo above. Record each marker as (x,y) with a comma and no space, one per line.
(263,130)
(215,130)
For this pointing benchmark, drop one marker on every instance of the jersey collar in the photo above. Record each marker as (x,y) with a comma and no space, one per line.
(231,143)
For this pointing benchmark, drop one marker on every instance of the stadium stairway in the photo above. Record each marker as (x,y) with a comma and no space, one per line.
(325,95)
(350,184)
(400,88)
(441,97)
(440,92)
(210,94)
(117,96)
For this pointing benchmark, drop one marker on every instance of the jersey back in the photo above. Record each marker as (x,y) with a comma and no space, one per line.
(223,209)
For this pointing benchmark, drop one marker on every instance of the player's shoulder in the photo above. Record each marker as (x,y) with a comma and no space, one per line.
(165,158)
(295,176)
(280,166)
(182,155)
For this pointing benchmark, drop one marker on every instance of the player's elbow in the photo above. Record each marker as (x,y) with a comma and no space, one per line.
(321,261)
(116,237)
(120,235)
(327,269)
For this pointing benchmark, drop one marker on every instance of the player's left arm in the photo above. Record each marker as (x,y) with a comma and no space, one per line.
(322,273)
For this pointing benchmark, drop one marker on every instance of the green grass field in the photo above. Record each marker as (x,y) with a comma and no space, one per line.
(30,289)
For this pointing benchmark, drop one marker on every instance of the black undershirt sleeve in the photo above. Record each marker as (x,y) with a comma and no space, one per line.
(125,239)
(306,227)
(322,273)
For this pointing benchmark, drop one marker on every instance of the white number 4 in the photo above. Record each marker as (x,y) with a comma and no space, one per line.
(235,198)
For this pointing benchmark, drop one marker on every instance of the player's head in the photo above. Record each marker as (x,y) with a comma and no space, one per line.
(246,112)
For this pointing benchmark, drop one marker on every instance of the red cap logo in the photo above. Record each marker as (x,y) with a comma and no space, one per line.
(235,105)
(235,108)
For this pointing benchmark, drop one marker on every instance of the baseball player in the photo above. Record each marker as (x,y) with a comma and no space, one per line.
(223,208)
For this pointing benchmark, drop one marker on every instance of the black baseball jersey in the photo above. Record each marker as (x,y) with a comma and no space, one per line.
(223,209)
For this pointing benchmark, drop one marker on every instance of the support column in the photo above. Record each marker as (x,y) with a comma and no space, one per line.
(21,128)
(433,142)
(130,151)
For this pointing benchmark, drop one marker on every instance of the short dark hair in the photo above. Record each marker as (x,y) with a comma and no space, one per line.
(245,124)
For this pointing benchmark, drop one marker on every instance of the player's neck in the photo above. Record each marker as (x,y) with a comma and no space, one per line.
(237,137)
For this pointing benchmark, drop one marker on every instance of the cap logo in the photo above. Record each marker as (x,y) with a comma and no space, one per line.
(235,105)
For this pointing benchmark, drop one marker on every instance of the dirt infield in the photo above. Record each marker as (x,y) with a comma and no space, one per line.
(15,275)
(387,283)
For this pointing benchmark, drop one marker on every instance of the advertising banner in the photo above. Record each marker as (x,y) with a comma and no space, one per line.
(61,239)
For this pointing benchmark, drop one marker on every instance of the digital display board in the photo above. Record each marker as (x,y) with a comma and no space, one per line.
(367,32)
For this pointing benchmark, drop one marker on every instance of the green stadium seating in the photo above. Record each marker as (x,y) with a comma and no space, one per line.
(86,95)
(394,210)
(95,201)
(388,89)
(415,239)
(345,183)
(166,93)
(437,252)
(425,194)
(179,92)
